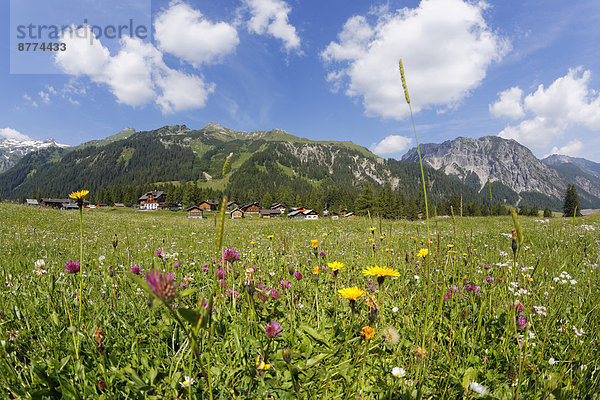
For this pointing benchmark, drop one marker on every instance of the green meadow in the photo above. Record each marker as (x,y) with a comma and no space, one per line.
(155,311)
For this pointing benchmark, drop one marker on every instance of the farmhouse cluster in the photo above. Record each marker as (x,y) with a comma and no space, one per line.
(156,200)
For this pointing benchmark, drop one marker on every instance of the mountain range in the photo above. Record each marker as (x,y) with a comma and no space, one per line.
(12,150)
(277,162)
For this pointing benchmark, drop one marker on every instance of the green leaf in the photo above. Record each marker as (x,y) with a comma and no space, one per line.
(314,334)
(190,316)
(468,377)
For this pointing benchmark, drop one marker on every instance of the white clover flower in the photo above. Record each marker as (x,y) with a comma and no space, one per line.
(395,309)
(478,388)
(551,361)
(398,372)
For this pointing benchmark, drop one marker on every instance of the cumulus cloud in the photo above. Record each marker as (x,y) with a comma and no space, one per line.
(446,47)
(509,105)
(44,96)
(186,33)
(136,75)
(550,112)
(271,17)
(573,149)
(10,133)
(391,144)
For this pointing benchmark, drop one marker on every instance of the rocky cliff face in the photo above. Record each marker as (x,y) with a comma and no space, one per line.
(474,161)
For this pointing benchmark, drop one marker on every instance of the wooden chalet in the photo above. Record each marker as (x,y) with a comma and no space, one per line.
(32,202)
(303,213)
(264,213)
(232,205)
(152,200)
(343,212)
(54,203)
(194,212)
(237,214)
(350,215)
(251,208)
(279,206)
(209,205)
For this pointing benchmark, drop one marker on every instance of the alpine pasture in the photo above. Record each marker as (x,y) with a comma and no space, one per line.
(142,305)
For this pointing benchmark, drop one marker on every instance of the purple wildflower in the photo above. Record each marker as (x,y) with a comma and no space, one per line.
(136,269)
(261,296)
(2,315)
(260,286)
(285,285)
(158,253)
(231,255)
(522,321)
(489,278)
(176,265)
(372,288)
(273,329)
(183,284)
(520,308)
(162,285)
(221,274)
(274,293)
(72,267)
(171,276)
(322,253)
(309,260)
(298,275)
(205,267)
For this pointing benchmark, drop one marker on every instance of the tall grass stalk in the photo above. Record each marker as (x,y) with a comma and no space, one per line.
(425,260)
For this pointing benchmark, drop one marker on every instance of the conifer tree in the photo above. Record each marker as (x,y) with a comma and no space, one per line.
(571,204)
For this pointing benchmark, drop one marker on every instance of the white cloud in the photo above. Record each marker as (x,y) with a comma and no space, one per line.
(551,112)
(136,75)
(573,149)
(271,17)
(509,105)
(181,91)
(44,96)
(186,33)
(391,144)
(11,133)
(446,47)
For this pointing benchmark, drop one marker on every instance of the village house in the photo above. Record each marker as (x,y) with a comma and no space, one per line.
(232,205)
(209,205)
(194,212)
(251,208)
(32,202)
(279,206)
(62,204)
(237,214)
(152,200)
(264,213)
(350,215)
(303,213)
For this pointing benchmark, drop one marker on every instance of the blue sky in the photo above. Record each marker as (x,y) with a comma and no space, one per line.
(527,70)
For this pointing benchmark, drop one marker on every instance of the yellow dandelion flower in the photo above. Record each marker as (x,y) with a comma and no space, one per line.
(367,332)
(270,237)
(325,233)
(380,271)
(315,270)
(260,364)
(372,229)
(450,246)
(335,266)
(79,195)
(315,243)
(423,253)
(381,237)
(351,293)
(252,243)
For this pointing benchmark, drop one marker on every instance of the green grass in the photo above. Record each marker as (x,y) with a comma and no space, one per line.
(145,350)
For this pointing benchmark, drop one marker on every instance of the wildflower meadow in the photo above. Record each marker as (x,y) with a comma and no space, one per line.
(125,304)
